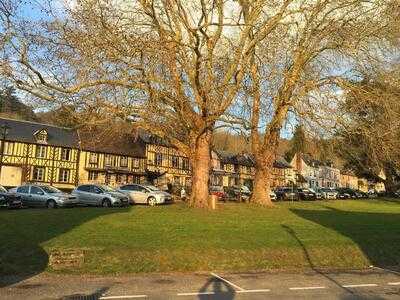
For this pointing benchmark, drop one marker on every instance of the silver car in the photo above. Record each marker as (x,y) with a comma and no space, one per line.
(33,195)
(145,194)
(99,195)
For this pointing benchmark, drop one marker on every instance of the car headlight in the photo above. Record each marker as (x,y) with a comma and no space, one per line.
(113,199)
(60,199)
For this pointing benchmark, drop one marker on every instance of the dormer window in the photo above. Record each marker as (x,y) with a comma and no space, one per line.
(41,136)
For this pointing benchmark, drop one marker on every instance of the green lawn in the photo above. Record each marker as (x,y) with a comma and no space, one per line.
(334,234)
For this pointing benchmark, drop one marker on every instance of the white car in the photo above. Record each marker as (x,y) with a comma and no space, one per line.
(145,194)
(328,193)
(272,196)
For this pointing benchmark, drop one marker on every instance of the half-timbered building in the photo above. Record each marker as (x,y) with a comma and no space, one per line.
(165,164)
(112,159)
(38,153)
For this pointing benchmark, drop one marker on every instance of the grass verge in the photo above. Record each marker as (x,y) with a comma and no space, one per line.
(236,237)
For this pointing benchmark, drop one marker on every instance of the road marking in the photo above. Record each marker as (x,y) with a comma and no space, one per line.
(307,288)
(123,297)
(227,281)
(393,283)
(196,294)
(254,291)
(359,285)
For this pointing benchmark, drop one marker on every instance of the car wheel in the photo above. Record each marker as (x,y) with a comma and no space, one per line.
(51,204)
(106,203)
(151,201)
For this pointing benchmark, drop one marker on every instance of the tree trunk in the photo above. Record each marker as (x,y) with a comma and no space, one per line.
(262,179)
(201,163)
(261,187)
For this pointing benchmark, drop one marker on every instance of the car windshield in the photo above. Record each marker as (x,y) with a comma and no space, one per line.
(217,189)
(107,188)
(245,189)
(50,189)
(2,189)
(152,188)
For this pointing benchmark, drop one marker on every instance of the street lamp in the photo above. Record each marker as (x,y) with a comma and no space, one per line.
(4,129)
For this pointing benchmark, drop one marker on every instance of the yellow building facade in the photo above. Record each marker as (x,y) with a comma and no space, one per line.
(38,153)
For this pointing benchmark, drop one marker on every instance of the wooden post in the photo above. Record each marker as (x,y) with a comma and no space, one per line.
(213,202)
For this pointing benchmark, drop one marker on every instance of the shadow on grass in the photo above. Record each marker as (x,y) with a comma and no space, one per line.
(24,231)
(351,294)
(376,234)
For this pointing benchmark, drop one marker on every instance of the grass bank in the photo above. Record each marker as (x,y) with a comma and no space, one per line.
(236,237)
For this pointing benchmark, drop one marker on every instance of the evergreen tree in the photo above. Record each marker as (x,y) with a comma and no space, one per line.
(297,144)
(12,107)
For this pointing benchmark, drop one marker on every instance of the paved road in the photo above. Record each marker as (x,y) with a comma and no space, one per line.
(372,284)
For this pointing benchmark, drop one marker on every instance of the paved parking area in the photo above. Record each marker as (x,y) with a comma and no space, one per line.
(358,284)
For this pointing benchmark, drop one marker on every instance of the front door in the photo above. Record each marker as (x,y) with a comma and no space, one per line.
(11,176)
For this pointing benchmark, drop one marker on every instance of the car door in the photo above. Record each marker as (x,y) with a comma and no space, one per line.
(37,196)
(130,191)
(23,191)
(82,193)
(141,194)
(96,195)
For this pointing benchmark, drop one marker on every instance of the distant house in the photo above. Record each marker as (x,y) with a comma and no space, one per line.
(313,173)
(282,173)
(348,179)
(244,163)
(328,176)
(239,169)
(165,163)
(216,170)
(38,153)
(230,169)
(306,169)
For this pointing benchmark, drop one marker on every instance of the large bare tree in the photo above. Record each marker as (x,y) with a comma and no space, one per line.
(175,65)
(298,70)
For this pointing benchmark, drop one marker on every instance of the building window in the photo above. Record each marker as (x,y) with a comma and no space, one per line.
(159,159)
(65,154)
(175,161)
(41,136)
(136,163)
(63,175)
(38,173)
(110,160)
(93,175)
(8,148)
(124,161)
(93,158)
(185,164)
(40,151)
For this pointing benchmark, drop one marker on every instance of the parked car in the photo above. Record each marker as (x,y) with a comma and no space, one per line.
(99,195)
(287,193)
(34,195)
(145,194)
(318,194)
(234,192)
(218,191)
(272,196)
(328,193)
(9,200)
(306,194)
(347,193)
